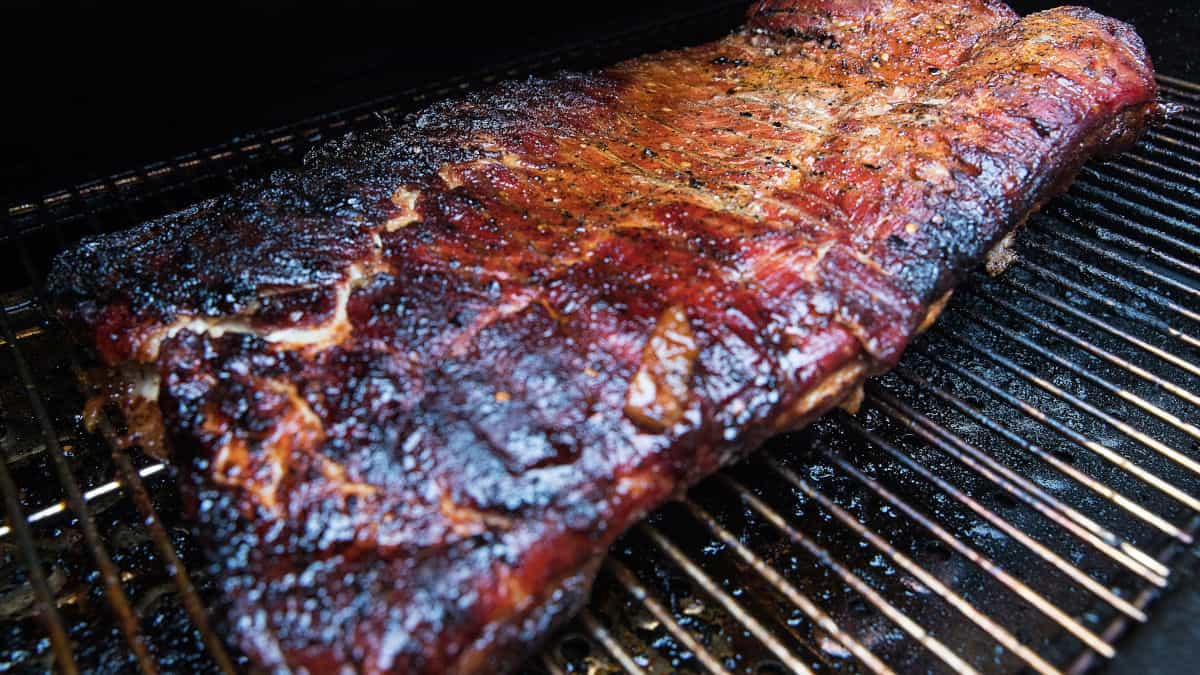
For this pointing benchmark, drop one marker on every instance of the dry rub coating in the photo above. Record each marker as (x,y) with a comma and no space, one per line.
(417,387)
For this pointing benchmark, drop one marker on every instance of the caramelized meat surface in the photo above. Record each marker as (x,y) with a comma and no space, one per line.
(418,386)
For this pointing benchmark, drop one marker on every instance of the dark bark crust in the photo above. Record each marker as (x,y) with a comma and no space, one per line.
(416,387)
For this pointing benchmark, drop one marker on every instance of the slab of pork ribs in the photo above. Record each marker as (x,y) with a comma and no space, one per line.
(415,388)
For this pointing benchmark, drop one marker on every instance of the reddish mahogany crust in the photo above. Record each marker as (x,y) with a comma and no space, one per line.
(417,387)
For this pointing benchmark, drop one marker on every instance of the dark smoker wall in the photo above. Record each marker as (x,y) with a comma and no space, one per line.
(89,91)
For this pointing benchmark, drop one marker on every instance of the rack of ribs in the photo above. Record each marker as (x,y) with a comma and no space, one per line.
(415,387)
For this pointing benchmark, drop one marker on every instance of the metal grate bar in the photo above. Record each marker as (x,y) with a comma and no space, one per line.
(634,588)
(1160,183)
(1186,132)
(1186,116)
(1115,360)
(551,667)
(1090,483)
(1132,244)
(1156,135)
(1048,555)
(115,593)
(1102,325)
(1119,307)
(876,440)
(1166,384)
(1119,392)
(1161,220)
(876,599)
(1122,283)
(1018,587)
(1038,241)
(89,495)
(47,610)
(1149,203)
(600,634)
(131,480)
(946,488)
(752,624)
(1174,139)
(789,591)
(1137,155)
(1067,432)
(1082,527)
(952,597)
(1001,634)
(23,333)
(1078,403)
(1175,84)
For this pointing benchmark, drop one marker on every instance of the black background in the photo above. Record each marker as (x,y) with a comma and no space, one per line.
(88,91)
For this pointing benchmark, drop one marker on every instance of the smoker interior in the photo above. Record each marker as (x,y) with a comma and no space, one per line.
(1012,498)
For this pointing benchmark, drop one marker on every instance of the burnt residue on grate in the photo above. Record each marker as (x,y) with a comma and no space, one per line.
(1009,499)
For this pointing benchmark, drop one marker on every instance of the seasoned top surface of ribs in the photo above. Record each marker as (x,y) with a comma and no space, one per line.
(416,387)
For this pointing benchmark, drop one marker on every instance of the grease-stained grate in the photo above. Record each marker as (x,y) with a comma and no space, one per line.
(1008,499)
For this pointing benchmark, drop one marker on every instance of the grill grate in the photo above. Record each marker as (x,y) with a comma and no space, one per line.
(1009,499)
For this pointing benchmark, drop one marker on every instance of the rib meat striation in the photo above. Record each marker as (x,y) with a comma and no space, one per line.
(416,387)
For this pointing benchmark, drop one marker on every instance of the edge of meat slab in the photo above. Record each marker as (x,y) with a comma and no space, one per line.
(416,387)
